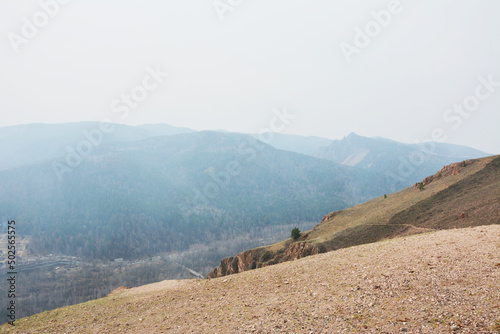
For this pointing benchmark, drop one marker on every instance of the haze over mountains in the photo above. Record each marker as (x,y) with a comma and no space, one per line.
(399,163)
(426,283)
(171,190)
(38,142)
(160,141)
(77,184)
(187,197)
(75,180)
(30,143)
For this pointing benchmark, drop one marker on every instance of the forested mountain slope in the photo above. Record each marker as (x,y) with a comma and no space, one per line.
(134,199)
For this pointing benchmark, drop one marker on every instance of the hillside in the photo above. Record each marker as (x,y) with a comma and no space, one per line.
(440,282)
(459,195)
(190,199)
(163,200)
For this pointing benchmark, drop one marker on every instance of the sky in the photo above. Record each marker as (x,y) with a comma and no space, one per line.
(405,70)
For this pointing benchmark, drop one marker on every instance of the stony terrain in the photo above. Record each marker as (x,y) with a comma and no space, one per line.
(437,282)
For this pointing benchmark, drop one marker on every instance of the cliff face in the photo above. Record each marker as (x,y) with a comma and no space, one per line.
(244,261)
(257,258)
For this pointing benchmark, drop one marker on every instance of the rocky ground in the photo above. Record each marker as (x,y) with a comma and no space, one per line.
(439,282)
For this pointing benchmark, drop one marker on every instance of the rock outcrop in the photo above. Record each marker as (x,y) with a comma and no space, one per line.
(298,250)
(258,258)
(329,216)
(244,261)
(451,169)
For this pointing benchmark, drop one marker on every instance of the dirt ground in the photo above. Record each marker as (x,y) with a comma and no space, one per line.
(438,282)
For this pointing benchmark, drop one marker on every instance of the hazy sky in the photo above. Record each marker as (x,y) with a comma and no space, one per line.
(394,69)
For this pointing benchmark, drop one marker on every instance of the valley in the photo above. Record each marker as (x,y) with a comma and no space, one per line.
(231,166)
(157,202)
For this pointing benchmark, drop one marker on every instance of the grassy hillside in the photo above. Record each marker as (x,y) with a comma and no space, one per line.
(473,193)
(440,282)
(460,195)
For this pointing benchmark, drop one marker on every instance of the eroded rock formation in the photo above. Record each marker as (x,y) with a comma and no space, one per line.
(257,258)
(244,261)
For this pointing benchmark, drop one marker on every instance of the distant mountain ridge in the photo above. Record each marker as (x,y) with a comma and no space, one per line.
(355,150)
(172,191)
(179,177)
(401,164)
(103,192)
(32,143)
(309,145)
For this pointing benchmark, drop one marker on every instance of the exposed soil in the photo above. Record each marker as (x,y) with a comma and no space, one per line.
(438,282)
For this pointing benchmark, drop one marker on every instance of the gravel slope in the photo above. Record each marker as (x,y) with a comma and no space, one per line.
(439,282)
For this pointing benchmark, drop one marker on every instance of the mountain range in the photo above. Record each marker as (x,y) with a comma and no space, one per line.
(419,260)
(163,188)
(105,202)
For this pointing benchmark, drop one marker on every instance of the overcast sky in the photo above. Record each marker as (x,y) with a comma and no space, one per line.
(231,63)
